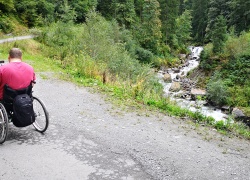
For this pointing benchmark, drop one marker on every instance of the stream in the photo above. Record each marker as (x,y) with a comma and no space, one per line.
(183,97)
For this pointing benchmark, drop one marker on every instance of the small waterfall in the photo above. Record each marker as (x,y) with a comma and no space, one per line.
(178,75)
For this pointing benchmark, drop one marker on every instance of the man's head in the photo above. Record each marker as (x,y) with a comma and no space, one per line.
(15,54)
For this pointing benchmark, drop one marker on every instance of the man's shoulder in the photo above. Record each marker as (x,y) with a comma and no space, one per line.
(27,65)
(4,66)
(14,65)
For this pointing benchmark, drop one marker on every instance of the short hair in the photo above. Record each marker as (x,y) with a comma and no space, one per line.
(15,53)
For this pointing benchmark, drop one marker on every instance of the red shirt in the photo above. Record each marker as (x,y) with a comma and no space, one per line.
(17,75)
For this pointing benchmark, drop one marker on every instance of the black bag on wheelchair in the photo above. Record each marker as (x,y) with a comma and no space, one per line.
(23,112)
(19,105)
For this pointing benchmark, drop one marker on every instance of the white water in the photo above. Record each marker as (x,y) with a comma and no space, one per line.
(197,105)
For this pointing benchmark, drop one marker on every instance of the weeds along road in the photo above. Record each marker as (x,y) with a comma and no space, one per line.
(88,138)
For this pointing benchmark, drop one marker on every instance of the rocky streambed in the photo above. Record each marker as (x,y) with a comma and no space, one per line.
(183,90)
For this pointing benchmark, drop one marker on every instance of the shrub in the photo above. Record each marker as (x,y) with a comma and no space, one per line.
(144,55)
(238,46)
(241,95)
(219,34)
(238,69)
(6,25)
(207,63)
(217,91)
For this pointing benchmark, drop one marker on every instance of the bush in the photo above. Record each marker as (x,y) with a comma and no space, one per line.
(238,46)
(144,56)
(238,69)
(6,25)
(217,91)
(207,63)
(241,95)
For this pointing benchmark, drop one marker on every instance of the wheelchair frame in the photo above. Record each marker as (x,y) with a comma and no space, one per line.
(41,118)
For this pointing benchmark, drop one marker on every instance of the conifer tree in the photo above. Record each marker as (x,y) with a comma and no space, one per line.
(219,34)
(199,19)
(188,4)
(240,15)
(150,36)
(27,11)
(121,10)
(82,7)
(216,8)
(125,12)
(105,7)
(183,31)
(169,13)
(138,7)
(67,12)
(181,7)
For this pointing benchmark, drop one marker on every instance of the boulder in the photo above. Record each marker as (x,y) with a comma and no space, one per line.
(197,92)
(176,70)
(175,87)
(246,120)
(167,78)
(239,115)
(182,56)
(225,109)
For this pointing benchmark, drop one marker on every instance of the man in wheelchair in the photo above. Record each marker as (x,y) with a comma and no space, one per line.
(16,78)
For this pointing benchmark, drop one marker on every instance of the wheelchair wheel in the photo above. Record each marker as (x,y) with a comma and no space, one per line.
(42,116)
(4,124)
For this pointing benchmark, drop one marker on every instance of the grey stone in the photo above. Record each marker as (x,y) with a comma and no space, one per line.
(167,78)
(175,87)
(237,113)
(197,92)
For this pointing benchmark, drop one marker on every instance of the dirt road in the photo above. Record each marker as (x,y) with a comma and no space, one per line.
(11,39)
(89,139)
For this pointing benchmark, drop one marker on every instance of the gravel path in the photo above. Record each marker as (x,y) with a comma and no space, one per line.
(16,38)
(89,138)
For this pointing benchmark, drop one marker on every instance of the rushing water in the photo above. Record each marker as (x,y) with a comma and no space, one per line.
(198,105)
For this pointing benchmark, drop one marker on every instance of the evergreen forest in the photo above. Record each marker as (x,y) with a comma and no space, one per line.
(119,42)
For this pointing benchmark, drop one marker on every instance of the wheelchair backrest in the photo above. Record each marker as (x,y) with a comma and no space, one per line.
(9,94)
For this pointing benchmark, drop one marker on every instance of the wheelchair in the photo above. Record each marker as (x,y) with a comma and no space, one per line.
(6,111)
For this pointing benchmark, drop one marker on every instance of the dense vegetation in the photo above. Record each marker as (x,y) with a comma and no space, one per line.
(117,43)
(231,71)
